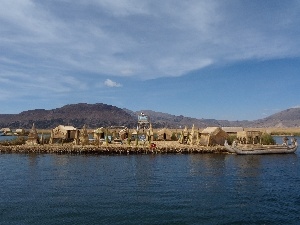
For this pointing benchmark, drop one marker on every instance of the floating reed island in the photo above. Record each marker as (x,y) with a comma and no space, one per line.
(143,140)
(161,148)
(69,140)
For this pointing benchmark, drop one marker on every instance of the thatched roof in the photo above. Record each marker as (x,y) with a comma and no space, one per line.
(66,128)
(20,130)
(100,130)
(164,131)
(210,130)
(248,133)
(6,129)
(232,129)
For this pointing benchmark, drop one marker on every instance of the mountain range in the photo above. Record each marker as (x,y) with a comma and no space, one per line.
(103,115)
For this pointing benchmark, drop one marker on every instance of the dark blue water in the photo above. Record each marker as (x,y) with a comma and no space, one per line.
(149,189)
(7,138)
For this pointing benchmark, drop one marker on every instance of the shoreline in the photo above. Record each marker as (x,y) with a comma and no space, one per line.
(111,149)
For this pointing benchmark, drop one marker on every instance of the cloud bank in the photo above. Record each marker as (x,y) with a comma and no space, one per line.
(144,39)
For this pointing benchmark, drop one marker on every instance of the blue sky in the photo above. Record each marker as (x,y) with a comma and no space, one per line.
(235,60)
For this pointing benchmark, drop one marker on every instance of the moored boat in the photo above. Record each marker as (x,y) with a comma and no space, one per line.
(242,149)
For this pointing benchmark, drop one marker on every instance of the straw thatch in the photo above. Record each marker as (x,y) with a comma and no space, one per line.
(164,135)
(249,137)
(213,136)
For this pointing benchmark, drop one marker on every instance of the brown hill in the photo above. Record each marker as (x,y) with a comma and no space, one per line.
(93,115)
(159,120)
(286,118)
(102,115)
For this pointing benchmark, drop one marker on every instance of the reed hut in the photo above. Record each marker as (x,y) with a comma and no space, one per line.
(249,137)
(6,131)
(64,133)
(164,135)
(232,130)
(124,133)
(212,136)
(19,132)
(99,133)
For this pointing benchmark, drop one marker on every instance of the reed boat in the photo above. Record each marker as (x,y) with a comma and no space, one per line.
(242,149)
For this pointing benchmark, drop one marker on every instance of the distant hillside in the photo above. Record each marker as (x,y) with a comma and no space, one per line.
(102,115)
(286,118)
(159,119)
(93,115)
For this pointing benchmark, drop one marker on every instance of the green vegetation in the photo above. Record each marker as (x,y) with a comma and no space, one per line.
(285,133)
(174,137)
(128,140)
(137,138)
(231,138)
(267,139)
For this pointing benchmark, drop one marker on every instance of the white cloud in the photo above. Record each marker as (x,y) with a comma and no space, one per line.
(110,83)
(145,39)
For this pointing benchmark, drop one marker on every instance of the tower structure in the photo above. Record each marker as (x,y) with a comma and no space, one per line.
(143,122)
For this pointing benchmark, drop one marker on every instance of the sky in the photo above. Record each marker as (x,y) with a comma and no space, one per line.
(213,59)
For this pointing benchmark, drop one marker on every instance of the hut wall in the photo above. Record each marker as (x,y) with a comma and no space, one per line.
(164,135)
(64,133)
(204,139)
(219,139)
(249,137)
(71,134)
(99,133)
(57,133)
(216,137)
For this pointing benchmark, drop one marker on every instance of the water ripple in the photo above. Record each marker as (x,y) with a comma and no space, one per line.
(143,189)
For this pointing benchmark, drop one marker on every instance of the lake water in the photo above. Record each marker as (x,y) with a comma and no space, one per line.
(8,138)
(149,189)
